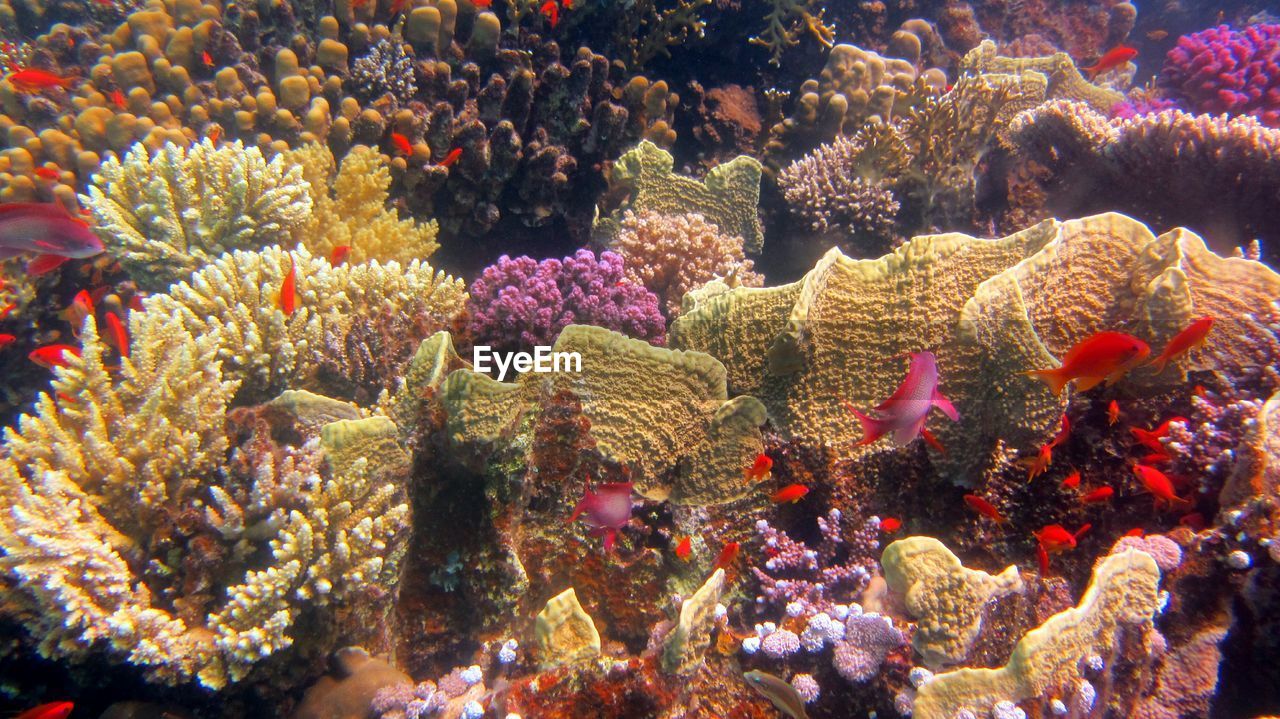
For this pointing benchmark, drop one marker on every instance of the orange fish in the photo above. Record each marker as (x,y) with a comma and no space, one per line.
(1158,484)
(215,134)
(985,508)
(551,11)
(1042,558)
(402,144)
(32,80)
(1157,35)
(1151,438)
(4,311)
(932,441)
(889,525)
(117,98)
(759,471)
(791,493)
(1037,465)
(1102,357)
(206,58)
(727,555)
(289,290)
(1114,57)
(51,356)
(1072,481)
(339,255)
(1113,412)
(1193,337)
(567,4)
(483,4)
(46,173)
(52,710)
(117,336)
(6,340)
(1055,538)
(1135,532)
(450,158)
(684,549)
(1200,391)
(1101,494)
(1195,521)
(81,307)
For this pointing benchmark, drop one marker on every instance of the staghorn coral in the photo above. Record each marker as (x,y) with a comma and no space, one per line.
(649,31)
(787,21)
(727,197)
(1226,71)
(349,208)
(1122,593)
(672,254)
(168,214)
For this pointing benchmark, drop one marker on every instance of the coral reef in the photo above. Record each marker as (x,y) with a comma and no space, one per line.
(1226,71)
(788,21)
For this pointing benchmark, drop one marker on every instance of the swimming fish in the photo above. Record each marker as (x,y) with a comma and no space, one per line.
(551,11)
(1101,494)
(684,549)
(52,710)
(50,356)
(206,58)
(1113,413)
(1157,35)
(889,525)
(339,255)
(215,134)
(1158,484)
(783,695)
(1192,337)
(46,173)
(81,307)
(983,507)
(791,493)
(1135,532)
(1055,538)
(482,4)
(402,144)
(1072,480)
(1044,457)
(117,336)
(44,229)
(6,340)
(727,555)
(904,413)
(117,98)
(605,510)
(33,80)
(288,301)
(1151,438)
(450,158)
(1114,57)
(1103,356)
(759,471)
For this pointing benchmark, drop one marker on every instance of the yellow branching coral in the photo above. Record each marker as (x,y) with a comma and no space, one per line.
(349,208)
(168,214)
(787,21)
(1123,593)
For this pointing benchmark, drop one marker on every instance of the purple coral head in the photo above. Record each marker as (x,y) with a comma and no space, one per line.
(868,639)
(605,510)
(1221,70)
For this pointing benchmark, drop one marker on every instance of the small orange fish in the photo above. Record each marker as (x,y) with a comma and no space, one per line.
(117,98)
(1072,480)
(1115,57)
(1054,538)
(684,549)
(759,471)
(1101,357)
(1039,464)
(985,508)
(117,336)
(932,441)
(727,555)
(52,710)
(567,4)
(1135,532)
(551,11)
(402,144)
(1193,337)
(215,134)
(483,4)
(81,307)
(1101,494)
(1158,484)
(206,58)
(889,525)
(339,255)
(32,80)
(450,158)
(1157,35)
(791,493)
(1200,391)
(289,290)
(4,311)
(1113,412)
(1155,458)
(1042,558)
(1195,521)
(46,173)
(6,340)
(51,356)
(1151,438)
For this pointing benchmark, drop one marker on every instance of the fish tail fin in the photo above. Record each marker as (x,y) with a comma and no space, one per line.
(1159,364)
(872,429)
(940,402)
(1055,378)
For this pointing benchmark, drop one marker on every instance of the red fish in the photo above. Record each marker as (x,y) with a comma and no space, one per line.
(46,173)
(450,158)
(606,511)
(905,412)
(889,525)
(51,356)
(759,471)
(1042,558)
(1044,457)
(727,555)
(1151,438)
(985,508)
(1200,391)
(567,4)
(791,493)
(4,311)
(81,307)
(1054,538)
(402,144)
(1102,357)
(6,340)
(117,98)
(1193,337)
(1135,532)
(1113,413)
(1195,521)
(32,80)
(289,290)
(482,4)
(1072,480)
(44,229)
(215,134)
(684,549)
(1114,57)
(52,710)
(117,336)
(932,441)
(1158,484)
(339,255)
(397,6)
(551,11)
(206,58)
(1155,458)
(1101,494)
(44,264)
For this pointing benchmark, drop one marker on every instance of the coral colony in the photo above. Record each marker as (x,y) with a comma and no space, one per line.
(512,359)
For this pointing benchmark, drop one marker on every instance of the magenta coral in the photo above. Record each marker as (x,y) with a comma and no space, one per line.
(521,303)
(809,578)
(1221,70)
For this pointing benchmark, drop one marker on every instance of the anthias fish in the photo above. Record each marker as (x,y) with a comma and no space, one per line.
(727,555)
(1055,538)
(759,470)
(783,695)
(605,510)
(289,290)
(907,409)
(790,493)
(33,80)
(1158,484)
(1150,438)
(1101,494)
(50,356)
(402,144)
(684,549)
(52,710)
(889,525)
(44,229)
(1193,337)
(1115,57)
(1113,412)
(1102,357)
(1071,481)
(983,507)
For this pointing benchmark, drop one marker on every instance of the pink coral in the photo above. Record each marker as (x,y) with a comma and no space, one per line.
(1165,551)
(672,254)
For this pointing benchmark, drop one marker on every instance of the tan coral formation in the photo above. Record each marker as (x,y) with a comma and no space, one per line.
(1064,79)
(564,631)
(692,633)
(945,598)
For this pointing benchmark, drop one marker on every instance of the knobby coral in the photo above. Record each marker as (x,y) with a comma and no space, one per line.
(1221,70)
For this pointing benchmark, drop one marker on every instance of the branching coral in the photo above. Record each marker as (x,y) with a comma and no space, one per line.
(1221,70)
(671,255)
(665,28)
(168,214)
(787,21)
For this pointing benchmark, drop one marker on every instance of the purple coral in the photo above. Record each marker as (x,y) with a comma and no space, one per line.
(1221,70)
(1165,551)
(794,573)
(868,639)
(520,303)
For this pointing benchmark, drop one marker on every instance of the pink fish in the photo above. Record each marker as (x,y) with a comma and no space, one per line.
(44,229)
(606,510)
(906,411)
